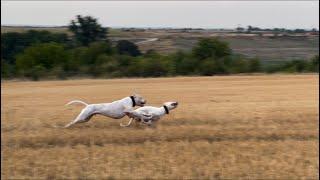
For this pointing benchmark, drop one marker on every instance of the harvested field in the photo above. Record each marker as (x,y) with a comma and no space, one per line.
(226,127)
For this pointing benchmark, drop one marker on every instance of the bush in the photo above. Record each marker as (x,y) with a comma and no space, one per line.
(59,73)
(211,66)
(96,49)
(254,65)
(47,56)
(314,64)
(238,65)
(208,67)
(183,64)
(151,53)
(7,70)
(13,43)
(36,72)
(105,65)
(78,57)
(213,47)
(153,67)
(295,66)
(147,67)
(125,47)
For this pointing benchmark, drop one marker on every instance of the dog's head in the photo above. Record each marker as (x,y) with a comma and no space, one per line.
(139,100)
(171,105)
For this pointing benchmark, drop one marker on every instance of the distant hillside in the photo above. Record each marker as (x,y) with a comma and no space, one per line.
(265,45)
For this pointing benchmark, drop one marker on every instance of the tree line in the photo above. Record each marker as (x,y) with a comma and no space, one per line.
(88,52)
(275,30)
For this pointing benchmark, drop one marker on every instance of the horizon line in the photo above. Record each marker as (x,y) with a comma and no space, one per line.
(154,27)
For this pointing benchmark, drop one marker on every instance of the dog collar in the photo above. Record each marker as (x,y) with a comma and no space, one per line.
(166,109)
(133,102)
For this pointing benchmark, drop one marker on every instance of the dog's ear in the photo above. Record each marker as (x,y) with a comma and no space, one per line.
(135,93)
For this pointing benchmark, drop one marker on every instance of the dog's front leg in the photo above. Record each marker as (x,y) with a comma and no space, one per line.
(149,122)
(152,125)
(130,121)
(137,122)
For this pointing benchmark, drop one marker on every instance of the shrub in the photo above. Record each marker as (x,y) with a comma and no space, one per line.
(144,67)
(183,64)
(211,47)
(238,65)
(36,72)
(295,66)
(96,49)
(151,53)
(13,43)
(7,70)
(254,65)
(314,64)
(105,65)
(47,56)
(59,72)
(154,67)
(78,57)
(125,47)
(212,66)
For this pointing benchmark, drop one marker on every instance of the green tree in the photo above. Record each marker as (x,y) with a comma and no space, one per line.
(146,67)
(13,43)
(209,67)
(7,70)
(237,64)
(36,72)
(211,47)
(183,63)
(297,65)
(105,65)
(46,55)
(314,64)
(95,49)
(151,53)
(127,48)
(87,29)
(254,65)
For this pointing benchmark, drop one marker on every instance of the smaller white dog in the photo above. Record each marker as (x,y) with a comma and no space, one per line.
(149,114)
(115,109)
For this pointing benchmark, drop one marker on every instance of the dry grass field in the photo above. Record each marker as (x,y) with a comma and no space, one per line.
(226,127)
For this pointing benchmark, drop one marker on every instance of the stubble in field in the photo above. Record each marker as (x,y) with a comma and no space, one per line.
(256,127)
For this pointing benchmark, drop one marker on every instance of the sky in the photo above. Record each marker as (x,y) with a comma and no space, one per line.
(175,14)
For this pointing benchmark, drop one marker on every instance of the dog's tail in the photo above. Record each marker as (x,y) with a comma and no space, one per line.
(77,101)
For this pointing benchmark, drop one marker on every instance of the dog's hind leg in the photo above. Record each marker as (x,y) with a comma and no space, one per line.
(84,116)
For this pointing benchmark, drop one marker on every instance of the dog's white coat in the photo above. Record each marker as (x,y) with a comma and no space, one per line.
(115,109)
(149,114)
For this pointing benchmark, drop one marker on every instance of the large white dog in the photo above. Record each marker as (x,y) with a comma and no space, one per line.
(115,109)
(149,114)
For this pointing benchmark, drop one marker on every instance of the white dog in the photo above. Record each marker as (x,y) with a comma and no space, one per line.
(115,109)
(149,114)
